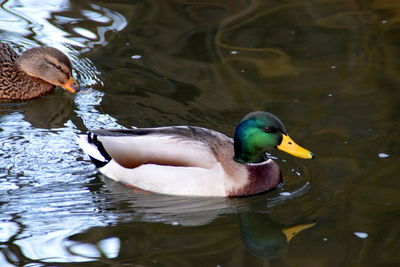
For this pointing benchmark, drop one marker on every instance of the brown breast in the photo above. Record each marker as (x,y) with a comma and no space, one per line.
(261,177)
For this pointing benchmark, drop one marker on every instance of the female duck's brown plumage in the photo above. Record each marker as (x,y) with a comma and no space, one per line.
(34,73)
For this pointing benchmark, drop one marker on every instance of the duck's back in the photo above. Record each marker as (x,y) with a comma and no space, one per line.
(185,145)
(7,55)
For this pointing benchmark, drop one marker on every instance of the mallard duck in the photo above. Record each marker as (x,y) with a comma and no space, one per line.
(35,72)
(187,160)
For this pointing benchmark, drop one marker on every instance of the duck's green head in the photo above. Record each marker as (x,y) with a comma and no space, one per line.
(259,132)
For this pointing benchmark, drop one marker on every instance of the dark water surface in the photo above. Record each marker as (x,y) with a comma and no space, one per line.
(328,69)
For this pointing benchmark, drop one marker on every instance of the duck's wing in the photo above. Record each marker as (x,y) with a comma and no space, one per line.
(172,146)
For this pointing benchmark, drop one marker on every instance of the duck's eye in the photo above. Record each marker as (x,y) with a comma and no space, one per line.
(58,67)
(269,130)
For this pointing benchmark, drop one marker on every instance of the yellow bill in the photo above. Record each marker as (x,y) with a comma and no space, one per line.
(290,232)
(289,146)
(71,85)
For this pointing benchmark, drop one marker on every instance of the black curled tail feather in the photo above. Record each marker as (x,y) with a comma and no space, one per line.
(92,139)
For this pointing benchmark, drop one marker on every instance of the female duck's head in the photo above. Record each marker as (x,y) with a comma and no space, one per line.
(259,132)
(49,64)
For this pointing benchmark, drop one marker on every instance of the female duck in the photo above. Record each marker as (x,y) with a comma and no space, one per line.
(34,73)
(186,160)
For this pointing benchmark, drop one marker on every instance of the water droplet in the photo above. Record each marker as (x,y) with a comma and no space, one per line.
(175,223)
(136,56)
(330,95)
(384,21)
(333,67)
(383,155)
(242,70)
(296,172)
(361,235)
(234,52)
(285,194)
(325,239)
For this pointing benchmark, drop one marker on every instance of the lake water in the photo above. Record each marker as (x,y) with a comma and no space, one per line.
(328,69)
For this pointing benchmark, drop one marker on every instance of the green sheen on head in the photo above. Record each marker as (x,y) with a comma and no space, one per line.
(257,133)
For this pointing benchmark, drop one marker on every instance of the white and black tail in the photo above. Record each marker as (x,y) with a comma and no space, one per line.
(94,148)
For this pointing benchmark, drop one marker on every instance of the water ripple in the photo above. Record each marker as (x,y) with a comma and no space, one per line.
(51,24)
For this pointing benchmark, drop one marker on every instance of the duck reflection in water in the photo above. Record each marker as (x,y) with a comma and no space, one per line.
(260,234)
(183,220)
(266,238)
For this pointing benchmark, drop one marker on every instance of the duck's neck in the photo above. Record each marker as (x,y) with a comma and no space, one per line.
(249,157)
